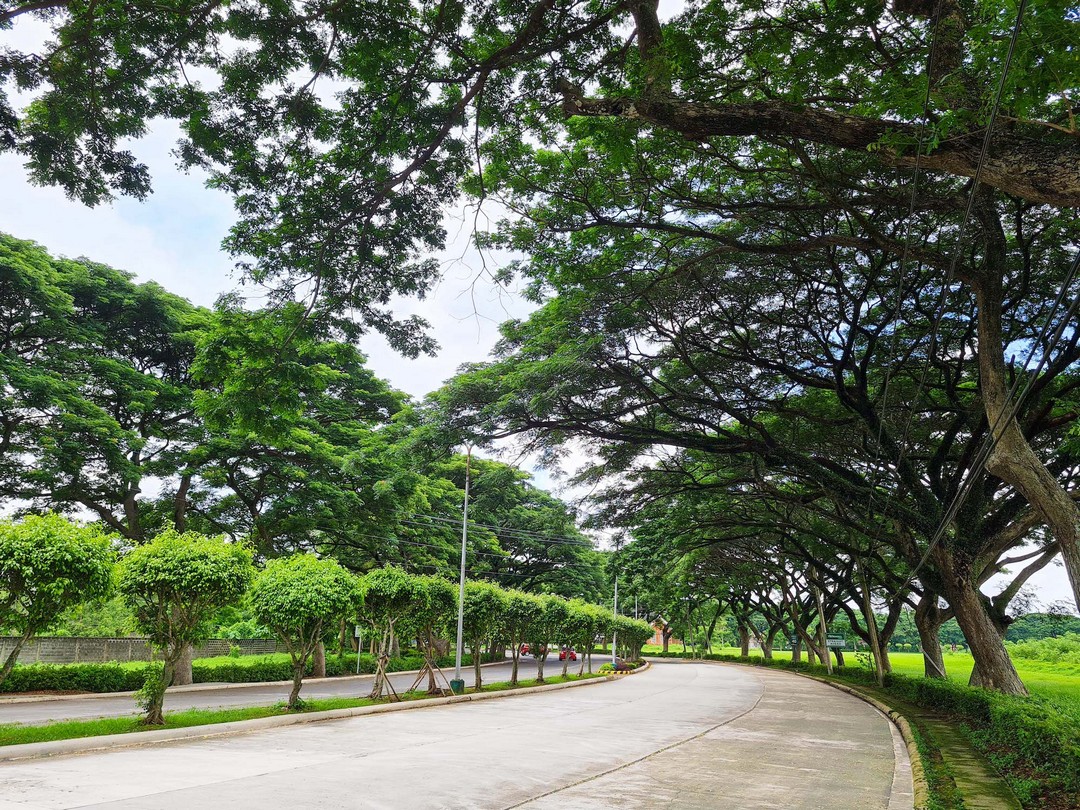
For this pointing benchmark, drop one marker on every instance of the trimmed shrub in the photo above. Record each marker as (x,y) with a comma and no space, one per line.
(75,678)
(249,669)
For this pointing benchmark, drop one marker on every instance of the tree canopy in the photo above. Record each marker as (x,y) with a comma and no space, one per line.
(174,584)
(47,565)
(297,597)
(342,132)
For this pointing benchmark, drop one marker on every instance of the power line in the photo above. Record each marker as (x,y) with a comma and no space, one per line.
(899,287)
(950,277)
(541,537)
(1007,414)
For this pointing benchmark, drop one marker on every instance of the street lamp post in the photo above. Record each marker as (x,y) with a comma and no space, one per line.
(457,686)
(615,614)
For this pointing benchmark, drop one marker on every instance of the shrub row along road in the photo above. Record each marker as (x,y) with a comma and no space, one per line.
(692,735)
(240,695)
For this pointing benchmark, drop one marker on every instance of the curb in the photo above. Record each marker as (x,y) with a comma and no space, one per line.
(921,789)
(42,750)
(204,687)
(647,665)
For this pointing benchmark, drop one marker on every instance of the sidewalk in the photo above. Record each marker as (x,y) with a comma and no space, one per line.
(966,774)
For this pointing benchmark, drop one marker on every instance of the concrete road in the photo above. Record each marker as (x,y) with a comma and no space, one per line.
(236,695)
(687,735)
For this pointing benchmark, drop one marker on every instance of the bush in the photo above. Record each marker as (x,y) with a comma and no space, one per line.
(1063,650)
(75,678)
(115,677)
(622,666)
(1026,738)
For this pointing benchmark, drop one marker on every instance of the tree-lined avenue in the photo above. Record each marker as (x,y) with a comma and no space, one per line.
(705,734)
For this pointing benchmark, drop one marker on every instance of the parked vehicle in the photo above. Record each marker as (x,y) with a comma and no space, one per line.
(566,651)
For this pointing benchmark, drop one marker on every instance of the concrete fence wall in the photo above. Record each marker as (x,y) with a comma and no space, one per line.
(70,650)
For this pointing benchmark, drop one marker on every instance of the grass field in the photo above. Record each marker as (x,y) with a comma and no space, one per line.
(1057,683)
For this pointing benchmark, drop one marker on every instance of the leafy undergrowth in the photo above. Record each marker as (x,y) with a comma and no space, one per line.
(75,729)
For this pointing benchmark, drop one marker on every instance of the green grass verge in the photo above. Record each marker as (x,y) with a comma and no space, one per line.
(75,729)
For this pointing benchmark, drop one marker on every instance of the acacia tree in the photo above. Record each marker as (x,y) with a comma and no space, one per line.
(484,608)
(389,597)
(780,386)
(586,622)
(47,565)
(517,617)
(431,616)
(633,633)
(546,627)
(174,585)
(298,597)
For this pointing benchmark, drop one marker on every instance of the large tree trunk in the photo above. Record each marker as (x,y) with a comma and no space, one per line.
(514,667)
(539,664)
(872,632)
(318,663)
(744,640)
(1012,459)
(796,651)
(342,639)
(429,651)
(928,621)
(180,503)
(665,633)
(476,660)
(13,656)
(993,667)
(155,714)
(182,674)
(395,646)
(297,681)
(768,641)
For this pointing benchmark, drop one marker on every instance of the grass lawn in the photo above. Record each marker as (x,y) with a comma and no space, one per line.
(74,729)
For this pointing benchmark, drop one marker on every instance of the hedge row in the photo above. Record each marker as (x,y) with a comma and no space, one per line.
(250,669)
(1029,740)
(74,678)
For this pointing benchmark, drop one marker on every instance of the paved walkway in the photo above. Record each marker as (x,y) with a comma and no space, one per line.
(976,782)
(689,735)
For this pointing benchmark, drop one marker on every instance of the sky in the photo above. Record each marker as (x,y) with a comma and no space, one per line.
(174,238)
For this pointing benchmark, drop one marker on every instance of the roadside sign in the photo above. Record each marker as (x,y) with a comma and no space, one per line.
(836,642)
(358,631)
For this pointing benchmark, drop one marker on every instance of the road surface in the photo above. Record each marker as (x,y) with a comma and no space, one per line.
(687,735)
(238,695)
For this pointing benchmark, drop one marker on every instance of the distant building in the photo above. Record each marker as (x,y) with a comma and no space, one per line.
(658,635)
